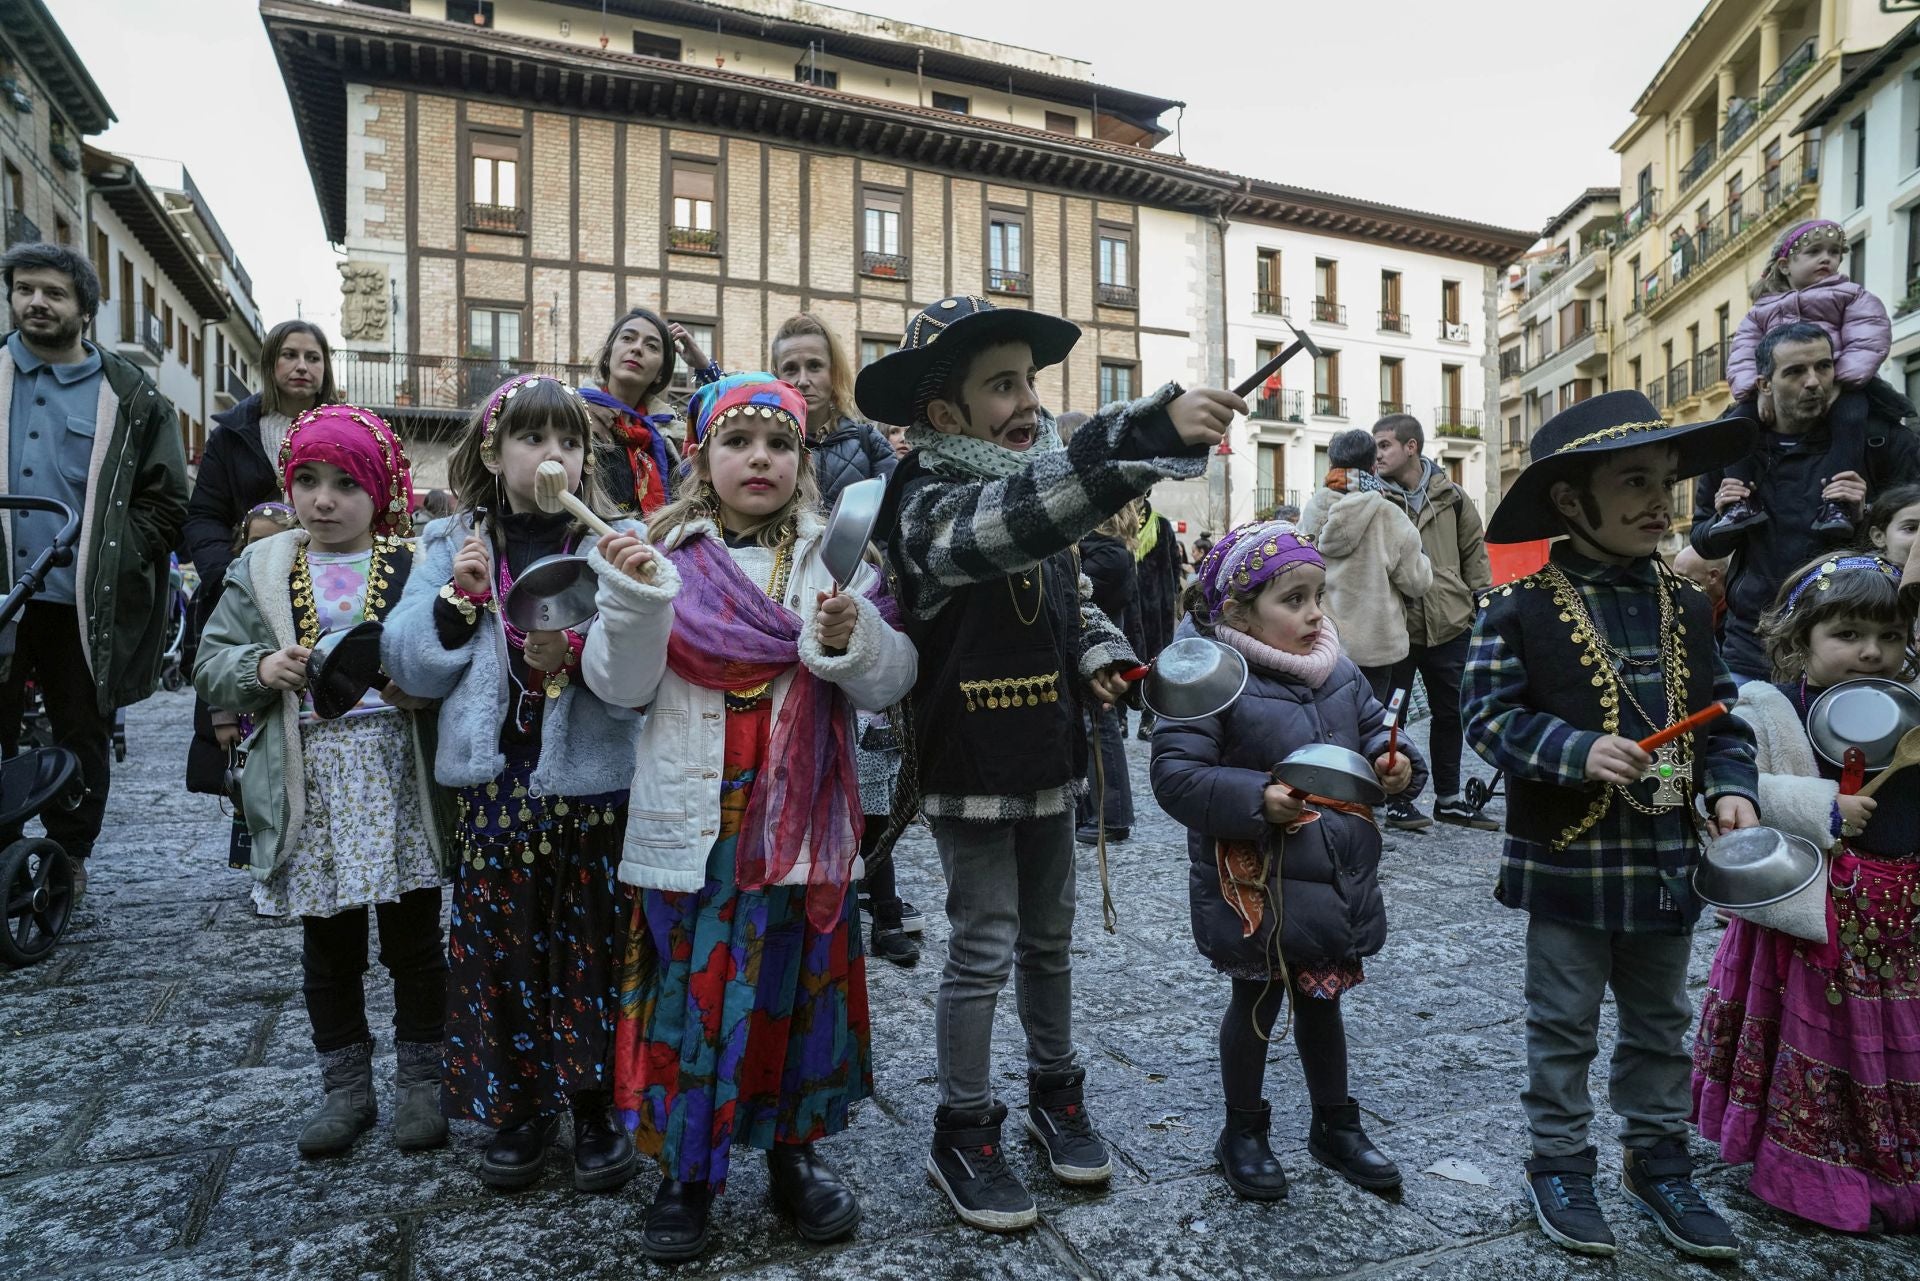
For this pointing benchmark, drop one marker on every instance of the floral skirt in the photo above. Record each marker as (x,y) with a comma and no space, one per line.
(738,1019)
(1812,1072)
(364,839)
(530,997)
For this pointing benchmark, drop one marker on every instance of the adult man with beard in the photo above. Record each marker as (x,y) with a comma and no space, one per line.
(1793,476)
(89,429)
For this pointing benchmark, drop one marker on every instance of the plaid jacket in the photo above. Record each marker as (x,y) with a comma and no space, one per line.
(1629,871)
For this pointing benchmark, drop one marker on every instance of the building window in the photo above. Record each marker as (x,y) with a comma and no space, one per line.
(199,357)
(880,221)
(183,346)
(1857,259)
(809,72)
(474,13)
(128,332)
(1326,291)
(872,349)
(1116,287)
(1006,253)
(1267,297)
(61,145)
(1326,386)
(702,335)
(1392,389)
(493,336)
(1450,411)
(1116,382)
(949,102)
(649,45)
(1392,319)
(695,189)
(495,203)
(62,231)
(1061,123)
(100,253)
(166,325)
(1857,158)
(1452,329)
(1912,281)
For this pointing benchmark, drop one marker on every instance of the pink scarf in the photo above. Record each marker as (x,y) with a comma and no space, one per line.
(727,634)
(1312,669)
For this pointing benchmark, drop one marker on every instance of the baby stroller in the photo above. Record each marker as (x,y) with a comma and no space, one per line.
(174,671)
(35,875)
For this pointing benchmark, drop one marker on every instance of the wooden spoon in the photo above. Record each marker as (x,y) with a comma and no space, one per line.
(551,492)
(1906,753)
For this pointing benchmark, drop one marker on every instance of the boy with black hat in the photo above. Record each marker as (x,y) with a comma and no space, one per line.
(1568,668)
(983,517)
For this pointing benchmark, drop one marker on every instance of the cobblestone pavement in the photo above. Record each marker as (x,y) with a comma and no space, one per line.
(155,1068)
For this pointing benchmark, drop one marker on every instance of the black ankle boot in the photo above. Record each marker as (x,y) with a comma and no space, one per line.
(1250,1167)
(518,1152)
(603,1157)
(1833,520)
(821,1205)
(676,1223)
(1744,514)
(1337,1142)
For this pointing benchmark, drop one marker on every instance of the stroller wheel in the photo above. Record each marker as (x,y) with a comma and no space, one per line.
(173,681)
(36,878)
(1478,794)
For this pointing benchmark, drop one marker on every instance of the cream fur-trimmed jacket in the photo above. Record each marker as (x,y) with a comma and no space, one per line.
(674,814)
(1375,563)
(1793,796)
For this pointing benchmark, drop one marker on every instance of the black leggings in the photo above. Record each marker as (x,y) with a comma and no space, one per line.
(879,888)
(1319,1035)
(333,957)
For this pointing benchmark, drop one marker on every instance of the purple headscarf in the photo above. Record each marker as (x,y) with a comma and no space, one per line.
(1248,555)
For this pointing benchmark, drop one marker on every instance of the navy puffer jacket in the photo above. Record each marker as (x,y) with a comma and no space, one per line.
(1210,776)
(851,450)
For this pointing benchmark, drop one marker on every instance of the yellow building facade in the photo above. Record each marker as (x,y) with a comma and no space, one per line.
(1711,172)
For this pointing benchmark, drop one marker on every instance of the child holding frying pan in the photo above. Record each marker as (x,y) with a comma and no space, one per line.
(1284,890)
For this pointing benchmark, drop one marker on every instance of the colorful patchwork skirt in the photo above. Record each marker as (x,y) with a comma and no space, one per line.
(738,1020)
(530,992)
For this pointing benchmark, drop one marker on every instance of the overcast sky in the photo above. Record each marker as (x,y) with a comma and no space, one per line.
(1495,110)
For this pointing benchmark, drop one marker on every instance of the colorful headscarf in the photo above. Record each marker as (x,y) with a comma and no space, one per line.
(752,394)
(1819,576)
(497,404)
(1784,250)
(1248,555)
(358,442)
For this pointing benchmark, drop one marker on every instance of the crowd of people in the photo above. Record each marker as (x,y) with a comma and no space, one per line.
(657,826)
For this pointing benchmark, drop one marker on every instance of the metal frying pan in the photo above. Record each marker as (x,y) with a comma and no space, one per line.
(1329,770)
(850,528)
(551,595)
(1193,678)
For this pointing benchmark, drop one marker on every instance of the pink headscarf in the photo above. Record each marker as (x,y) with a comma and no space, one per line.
(359,443)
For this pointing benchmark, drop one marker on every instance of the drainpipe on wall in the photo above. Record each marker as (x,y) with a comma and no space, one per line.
(1220,223)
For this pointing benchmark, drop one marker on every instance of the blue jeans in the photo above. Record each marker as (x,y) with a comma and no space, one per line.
(1113,757)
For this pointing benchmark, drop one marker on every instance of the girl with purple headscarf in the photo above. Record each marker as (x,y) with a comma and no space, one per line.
(1284,891)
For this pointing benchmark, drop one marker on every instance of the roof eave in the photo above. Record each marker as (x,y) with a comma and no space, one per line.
(55,63)
(118,182)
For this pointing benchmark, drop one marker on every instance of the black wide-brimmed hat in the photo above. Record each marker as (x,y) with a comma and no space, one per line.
(1576,437)
(893,387)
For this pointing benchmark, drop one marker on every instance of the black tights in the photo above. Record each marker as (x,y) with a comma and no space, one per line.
(333,956)
(1319,1035)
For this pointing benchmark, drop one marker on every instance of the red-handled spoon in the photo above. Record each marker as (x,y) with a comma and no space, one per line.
(1853,771)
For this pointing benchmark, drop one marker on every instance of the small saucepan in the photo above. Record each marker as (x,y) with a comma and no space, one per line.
(552,594)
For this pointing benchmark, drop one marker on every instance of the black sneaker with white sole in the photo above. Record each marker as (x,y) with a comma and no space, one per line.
(912,919)
(1461,814)
(967,1164)
(1659,1180)
(1405,816)
(1561,1189)
(1057,1116)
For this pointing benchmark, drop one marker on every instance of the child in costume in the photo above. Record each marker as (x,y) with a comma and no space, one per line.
(743,1001)
(984,515)
(1569,667)
(1807,1051)
(337,810)
(537,761)
(1285,892)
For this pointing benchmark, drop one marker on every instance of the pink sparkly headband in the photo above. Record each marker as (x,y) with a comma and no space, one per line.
(1801,232)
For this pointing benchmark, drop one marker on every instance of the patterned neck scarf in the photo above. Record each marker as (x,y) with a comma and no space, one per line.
(652,486)
(972,458)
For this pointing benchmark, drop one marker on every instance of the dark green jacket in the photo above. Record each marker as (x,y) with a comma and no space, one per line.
(135,508)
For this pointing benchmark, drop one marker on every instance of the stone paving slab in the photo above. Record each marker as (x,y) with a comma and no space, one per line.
(154,1069)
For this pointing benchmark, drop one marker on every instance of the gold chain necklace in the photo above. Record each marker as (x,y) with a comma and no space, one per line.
(1039,599)
(306,616)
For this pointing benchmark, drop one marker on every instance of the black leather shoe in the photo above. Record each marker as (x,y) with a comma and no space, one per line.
(676,1223)
(603,1156)
(517,1154)
(1337,1142)
(1250,1167)
(822,1206)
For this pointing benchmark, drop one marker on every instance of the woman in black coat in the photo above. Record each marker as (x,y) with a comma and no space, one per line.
(238,470)
(1284,900)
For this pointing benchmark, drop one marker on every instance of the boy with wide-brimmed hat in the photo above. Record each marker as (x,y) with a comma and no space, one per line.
(1568,669)
(984,515)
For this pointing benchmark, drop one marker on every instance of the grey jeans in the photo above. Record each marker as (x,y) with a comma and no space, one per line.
(1010,890)
(1569,968)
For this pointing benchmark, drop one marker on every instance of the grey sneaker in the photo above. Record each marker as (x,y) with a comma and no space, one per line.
(1659,1180)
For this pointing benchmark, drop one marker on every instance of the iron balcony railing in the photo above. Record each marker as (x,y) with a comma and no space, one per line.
(1512,361)
(1784,178)
(891,266)
(1445,416)
(1739,120)
(1327,311)
(386,380)
(1268,303)
(695,240)
(1393,322)
(1117,295)
(1641,212)
(1393,407)
(1329,406)
(1455,331)
(1000,281)
(1656,392)
(230,382)
(1708,368)
(20,228)
(1677,381)
(1266,499)
(1696,167)
(1284,406)
(504,218)
(1795,66)
(153,335)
